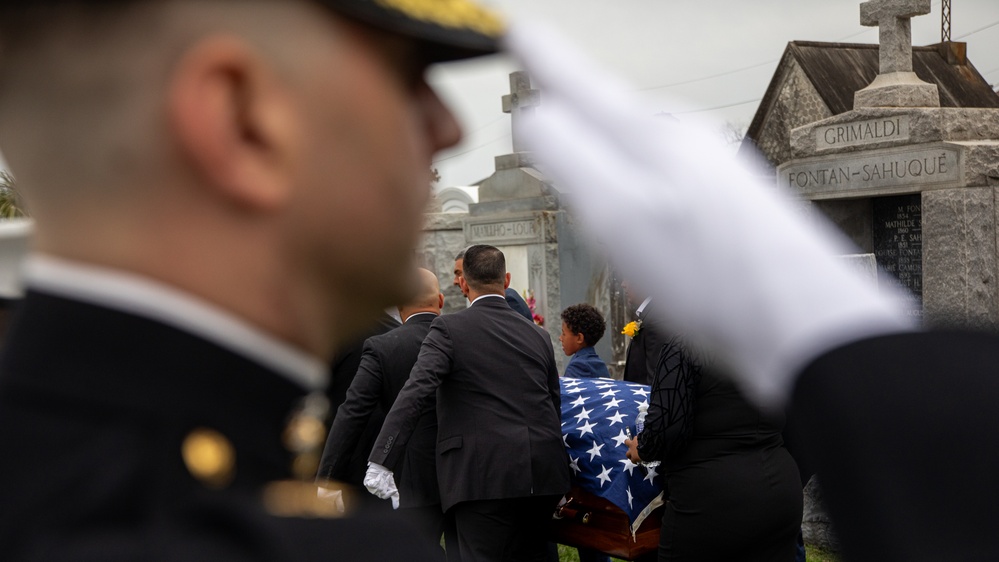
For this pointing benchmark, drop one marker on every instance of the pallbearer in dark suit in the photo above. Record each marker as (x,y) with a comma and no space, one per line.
(347,359)
(514,299)
(343,368)
(501,462)
(647,342)
(384,368)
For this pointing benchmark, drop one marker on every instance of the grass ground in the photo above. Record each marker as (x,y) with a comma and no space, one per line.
(568,554)
(813,554)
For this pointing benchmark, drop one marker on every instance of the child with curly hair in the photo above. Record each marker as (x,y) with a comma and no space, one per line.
(582,328)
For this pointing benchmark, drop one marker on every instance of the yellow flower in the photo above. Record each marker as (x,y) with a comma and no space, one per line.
(631,329)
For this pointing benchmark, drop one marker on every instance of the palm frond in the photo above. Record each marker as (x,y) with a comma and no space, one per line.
(10,201)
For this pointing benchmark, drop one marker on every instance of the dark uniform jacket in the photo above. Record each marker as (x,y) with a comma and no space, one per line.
(498,407)
(384,369)
(95,408)
(643,352)
(903,433)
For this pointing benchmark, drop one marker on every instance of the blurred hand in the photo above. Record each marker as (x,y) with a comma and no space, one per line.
(632,453)
(333,496)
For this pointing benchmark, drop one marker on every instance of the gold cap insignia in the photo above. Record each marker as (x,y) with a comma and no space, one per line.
(455,14)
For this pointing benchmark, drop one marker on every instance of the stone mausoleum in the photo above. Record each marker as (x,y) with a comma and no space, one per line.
(899,146)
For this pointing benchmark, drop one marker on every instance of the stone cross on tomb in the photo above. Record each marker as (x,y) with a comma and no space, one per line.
(520,101)
(896,84)
(894,20)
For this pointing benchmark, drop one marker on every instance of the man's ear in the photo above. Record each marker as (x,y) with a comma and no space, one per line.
(506,281)
(440,301)
(463,285)
(232,122)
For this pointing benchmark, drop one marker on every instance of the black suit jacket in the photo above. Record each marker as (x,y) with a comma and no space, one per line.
(518,304)
(385,365)
(643,352)
(345,361)
(343,368)
(94,407)
(498,407)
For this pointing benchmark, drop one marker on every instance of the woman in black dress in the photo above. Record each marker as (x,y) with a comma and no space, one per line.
(734,491)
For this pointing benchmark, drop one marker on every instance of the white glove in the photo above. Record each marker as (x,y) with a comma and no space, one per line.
(380,481)
(732,265)
(334,497)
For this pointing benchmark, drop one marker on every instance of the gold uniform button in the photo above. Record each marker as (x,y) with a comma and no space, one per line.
(304,434)
(209,457)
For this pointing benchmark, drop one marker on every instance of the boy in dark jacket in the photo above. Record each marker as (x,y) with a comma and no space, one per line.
(582,328)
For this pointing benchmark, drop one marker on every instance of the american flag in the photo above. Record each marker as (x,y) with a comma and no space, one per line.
(597,416)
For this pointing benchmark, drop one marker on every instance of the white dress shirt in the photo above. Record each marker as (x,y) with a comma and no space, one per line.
(641,308)
(486,297)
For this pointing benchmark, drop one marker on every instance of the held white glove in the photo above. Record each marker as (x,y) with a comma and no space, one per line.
(334,497)
(380,481)
(732,265)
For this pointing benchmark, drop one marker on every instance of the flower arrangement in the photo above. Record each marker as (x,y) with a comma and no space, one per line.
(631,329)
(531,303)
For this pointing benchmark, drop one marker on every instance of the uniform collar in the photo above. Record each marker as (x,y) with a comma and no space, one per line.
(145,297)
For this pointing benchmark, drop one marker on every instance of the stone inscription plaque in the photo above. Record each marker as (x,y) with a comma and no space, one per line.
(859,133)
(898,245)
(870,173)
(516,231)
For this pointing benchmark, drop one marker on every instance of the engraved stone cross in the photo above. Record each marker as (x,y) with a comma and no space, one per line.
(896,85)
(521,100)
(893,17)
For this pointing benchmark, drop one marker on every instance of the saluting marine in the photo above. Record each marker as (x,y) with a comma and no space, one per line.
(198,172)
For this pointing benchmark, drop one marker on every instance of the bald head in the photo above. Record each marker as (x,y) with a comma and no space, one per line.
(428,296)
(429,288)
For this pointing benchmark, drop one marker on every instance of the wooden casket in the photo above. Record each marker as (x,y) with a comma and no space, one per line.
(589,521)
(614,506)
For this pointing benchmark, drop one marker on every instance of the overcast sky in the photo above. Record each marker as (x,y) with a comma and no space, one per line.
(712,56)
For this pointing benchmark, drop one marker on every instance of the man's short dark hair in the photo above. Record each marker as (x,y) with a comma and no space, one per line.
(484,265)
(584,319)
(460,256)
